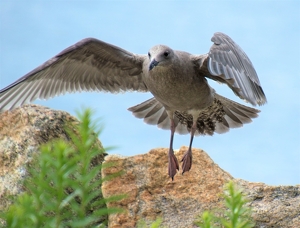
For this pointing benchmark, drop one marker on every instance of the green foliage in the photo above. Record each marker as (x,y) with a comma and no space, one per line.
(63,188)
(155,224)
(236,215)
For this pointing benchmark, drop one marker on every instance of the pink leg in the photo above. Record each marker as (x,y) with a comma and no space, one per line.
(187,157)
(173,163)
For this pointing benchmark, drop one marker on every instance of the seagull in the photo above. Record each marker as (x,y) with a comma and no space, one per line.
(183,101)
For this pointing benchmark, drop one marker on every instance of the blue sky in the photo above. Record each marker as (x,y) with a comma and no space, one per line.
(267,150)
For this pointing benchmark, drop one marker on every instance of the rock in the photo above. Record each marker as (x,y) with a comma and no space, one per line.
(273,206)
(152,194)
(22,131)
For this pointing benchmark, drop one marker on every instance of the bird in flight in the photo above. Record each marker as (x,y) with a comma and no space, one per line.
(183,101)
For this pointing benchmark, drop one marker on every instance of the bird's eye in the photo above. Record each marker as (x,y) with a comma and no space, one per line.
(166,53)
(149,54)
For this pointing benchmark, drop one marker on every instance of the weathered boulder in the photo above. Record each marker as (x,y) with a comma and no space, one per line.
(151,193)
(22,131)
(273,206)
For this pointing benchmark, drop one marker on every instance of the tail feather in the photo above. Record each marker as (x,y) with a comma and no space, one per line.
(219,117)
(231,118)
(236,115)
(153,113)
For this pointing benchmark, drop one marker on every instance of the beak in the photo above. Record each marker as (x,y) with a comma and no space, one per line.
(153,64)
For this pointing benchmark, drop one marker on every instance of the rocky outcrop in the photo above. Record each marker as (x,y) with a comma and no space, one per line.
(273,206)
(150,192)
(22,131)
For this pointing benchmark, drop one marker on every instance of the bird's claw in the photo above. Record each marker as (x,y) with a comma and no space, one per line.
(186,161)
(173,164)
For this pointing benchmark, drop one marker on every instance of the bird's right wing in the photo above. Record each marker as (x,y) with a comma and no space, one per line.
(89,65)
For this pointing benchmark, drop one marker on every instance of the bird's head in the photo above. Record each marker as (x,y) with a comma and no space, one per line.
(160,55)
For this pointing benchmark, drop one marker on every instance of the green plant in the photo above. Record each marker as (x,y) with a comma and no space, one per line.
(63,189)
(156,224)
(236,215)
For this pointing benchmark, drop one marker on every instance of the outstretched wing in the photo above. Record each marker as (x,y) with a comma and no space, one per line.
(227,63)
(89,65)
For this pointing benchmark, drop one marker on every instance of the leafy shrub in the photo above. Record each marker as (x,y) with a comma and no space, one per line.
(63,189)
(236,215)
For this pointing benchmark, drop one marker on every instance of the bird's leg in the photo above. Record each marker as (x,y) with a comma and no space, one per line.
(187,157)
(173,163)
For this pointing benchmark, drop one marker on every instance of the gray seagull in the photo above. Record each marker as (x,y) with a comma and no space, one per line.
(183,100)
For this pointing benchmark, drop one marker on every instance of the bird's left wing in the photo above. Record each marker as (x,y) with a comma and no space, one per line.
(89,65)
(227,63)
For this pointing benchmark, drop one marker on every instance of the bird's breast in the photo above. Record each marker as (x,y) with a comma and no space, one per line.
(178,90)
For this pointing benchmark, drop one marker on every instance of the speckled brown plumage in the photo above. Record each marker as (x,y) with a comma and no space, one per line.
(207,119)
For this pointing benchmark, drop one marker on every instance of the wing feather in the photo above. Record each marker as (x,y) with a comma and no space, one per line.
(227,63)
(89,65)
